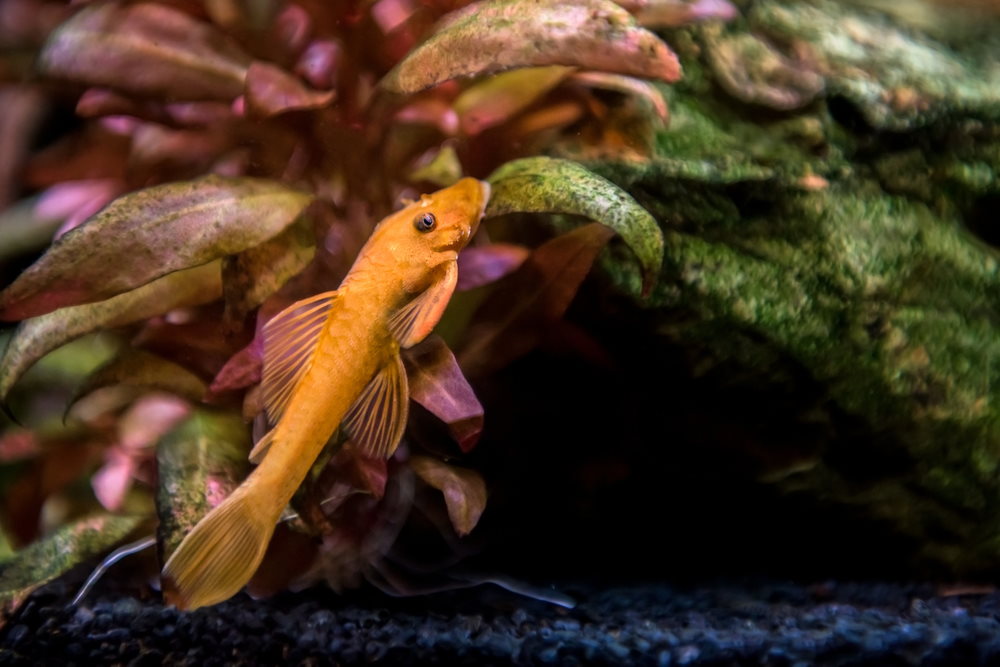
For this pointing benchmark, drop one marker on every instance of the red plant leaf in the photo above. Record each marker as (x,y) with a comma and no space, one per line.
(482,265)
(512,321)
(318,63)
(242,370)
(151,233)
(464,491)
(18,444)
(271,91)
(437,383)
(146,49)
(496,35)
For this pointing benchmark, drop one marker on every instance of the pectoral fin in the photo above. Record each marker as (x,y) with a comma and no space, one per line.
(415,320)
(290,339)
(378,417)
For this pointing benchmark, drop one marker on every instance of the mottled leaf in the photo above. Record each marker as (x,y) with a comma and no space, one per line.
(464,491)
(199,463)
(543,184)
(56,554)
(256,273)
(147,234)
(271,90)
(142,370)
(37,336)
(482,265)
(513,320)
(437,383)
(496,99)
(496,35)
(146,49)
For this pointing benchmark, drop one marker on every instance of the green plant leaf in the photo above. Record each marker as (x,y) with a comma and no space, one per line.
(150,233)
(495,35)
(37,336)
(550,185)
(199,463)
(142,370)
(54,555)
(146,49)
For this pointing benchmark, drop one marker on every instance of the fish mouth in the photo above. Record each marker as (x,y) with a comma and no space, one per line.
(484,192)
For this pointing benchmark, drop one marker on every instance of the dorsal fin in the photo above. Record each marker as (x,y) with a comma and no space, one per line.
(290,339)
(414,321)
(377,419)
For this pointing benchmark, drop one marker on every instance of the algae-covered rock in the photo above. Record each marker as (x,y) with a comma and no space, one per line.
(851,252)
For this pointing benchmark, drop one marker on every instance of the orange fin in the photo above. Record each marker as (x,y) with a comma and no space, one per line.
(219,556)
(378,417)
(263,445)
(290,339)
(416,319)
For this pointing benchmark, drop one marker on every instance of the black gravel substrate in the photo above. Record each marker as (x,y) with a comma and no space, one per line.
(715,624)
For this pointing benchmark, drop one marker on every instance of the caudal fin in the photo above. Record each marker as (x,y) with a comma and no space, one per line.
(220,555)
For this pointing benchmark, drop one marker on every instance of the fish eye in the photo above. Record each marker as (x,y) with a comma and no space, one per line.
(425,222)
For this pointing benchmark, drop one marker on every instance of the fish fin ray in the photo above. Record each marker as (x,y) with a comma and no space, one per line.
(414,321)
(220,555)
(290,338)
(260,449)
(376,421)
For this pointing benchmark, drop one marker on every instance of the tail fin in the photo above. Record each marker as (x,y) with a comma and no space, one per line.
(219,556)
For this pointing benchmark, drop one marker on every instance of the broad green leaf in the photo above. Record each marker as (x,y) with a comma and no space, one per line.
(443,169)
(199,463)
(37,336)
(515,318)
(256,273)
(464,491)
(146,49)
(495,35)
(142,370)
(56,554)
(150,233)
(550,185)
(498,98)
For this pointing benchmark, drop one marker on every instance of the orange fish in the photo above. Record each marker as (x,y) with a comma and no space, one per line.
(332,360)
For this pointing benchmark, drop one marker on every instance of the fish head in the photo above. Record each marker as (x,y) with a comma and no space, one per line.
(437,226)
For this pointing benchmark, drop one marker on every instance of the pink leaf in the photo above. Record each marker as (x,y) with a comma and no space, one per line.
(271,91)
(113,480)
(464,491)
(499,98)
(482,265)
(318,63)
(437,383)
(146,49)
(494,35)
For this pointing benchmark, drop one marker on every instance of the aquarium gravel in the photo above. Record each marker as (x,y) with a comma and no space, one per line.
(716,624)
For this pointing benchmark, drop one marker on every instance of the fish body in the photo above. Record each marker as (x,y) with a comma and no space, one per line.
(332,360)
